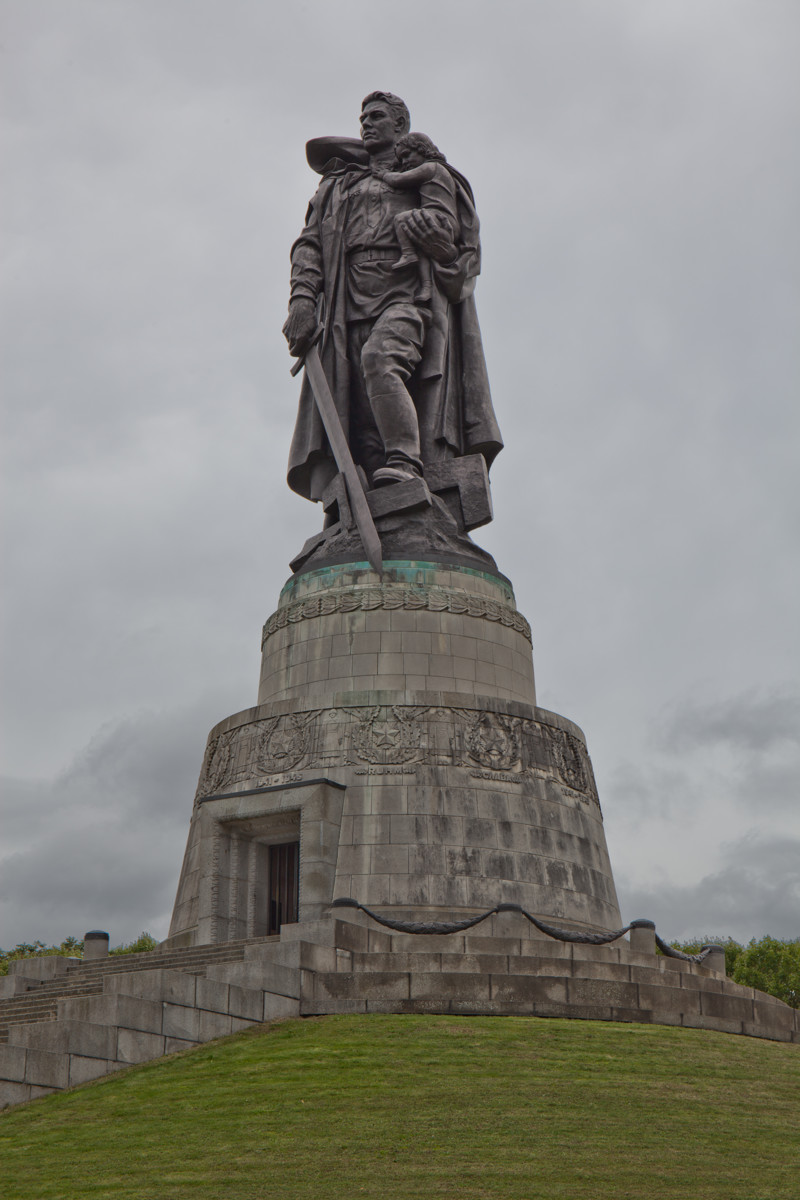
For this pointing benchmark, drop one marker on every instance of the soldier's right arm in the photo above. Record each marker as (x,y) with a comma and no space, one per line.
(306,256)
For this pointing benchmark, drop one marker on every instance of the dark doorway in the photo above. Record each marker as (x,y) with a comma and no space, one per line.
(284,863)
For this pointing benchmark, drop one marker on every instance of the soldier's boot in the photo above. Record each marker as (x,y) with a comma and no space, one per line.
(396,418)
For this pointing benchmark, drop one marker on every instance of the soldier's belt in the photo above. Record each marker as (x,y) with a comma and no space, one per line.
(362,256)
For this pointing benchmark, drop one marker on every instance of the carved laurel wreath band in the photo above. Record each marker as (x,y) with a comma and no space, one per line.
(409,599)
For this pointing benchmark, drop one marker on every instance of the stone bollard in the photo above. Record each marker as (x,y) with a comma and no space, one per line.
(95,945)
(715,961)
(643,936)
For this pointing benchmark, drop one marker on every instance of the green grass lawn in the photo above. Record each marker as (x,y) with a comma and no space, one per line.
(396,1107)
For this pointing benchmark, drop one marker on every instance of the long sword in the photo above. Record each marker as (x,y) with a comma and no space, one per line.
(341,452)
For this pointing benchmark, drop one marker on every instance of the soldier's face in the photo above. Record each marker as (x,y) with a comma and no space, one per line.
(378,128)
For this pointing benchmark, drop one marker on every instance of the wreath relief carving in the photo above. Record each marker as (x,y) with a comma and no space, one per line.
(435,599)
(388,735)
(493,741)
(216,764)
(284,742)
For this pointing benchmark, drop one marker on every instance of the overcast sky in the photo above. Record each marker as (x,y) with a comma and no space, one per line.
(635,168)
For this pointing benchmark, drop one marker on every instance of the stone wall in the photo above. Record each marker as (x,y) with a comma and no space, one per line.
(172,1000)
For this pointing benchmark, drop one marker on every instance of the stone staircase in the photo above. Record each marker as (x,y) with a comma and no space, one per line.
(37,999)
(99,1017)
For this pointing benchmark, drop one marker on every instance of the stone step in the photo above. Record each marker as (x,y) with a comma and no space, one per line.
(40,1003)
(139,1015)
(600,967)
(193,960)
(382,982)
(182,958)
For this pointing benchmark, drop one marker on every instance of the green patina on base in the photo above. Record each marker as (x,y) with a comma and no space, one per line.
(409,571)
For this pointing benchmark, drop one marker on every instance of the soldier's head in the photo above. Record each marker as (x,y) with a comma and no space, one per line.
(384,118)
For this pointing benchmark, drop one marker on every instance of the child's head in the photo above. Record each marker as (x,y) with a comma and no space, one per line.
(415,148)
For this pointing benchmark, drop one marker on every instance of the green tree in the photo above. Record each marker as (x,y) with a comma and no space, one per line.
(71,947)
(772,966)
(144,942)
(732,948)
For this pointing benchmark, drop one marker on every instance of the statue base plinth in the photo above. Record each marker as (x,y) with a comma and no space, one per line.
(398,741)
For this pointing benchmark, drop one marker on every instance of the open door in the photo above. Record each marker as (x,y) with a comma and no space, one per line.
(284,863)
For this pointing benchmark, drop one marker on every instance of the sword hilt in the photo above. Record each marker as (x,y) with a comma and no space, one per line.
(298,366)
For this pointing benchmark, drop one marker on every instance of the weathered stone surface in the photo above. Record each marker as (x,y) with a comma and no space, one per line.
(280,1008)
(82,1070)
(174,1045)
(246,1002)
(12,1063)
(448,985)
(212,994)
(130,1012)
(240,1023)
(46,1069)
(213,1025)
(528,989)
(133,1046)
(271,977)
(296,955)
(669,999)
(62,1037)
(601,991)
(384,985)
(177,987)
(181,1022)
(12,1093)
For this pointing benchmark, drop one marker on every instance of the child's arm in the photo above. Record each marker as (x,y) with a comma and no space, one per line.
(409,179)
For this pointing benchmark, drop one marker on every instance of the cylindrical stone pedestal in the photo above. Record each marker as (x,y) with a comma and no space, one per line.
(418,628)
(397,739)
(95,945)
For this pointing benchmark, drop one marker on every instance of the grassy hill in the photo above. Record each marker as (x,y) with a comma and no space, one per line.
(400,1107)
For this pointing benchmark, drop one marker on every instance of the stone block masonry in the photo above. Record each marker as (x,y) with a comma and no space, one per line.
(333,966)
(398,740)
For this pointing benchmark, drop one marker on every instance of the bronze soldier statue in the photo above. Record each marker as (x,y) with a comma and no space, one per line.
(406,372)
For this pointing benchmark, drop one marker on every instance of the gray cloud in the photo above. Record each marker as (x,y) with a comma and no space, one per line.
(756,891)
(101,844)
(738,755)
(749,721)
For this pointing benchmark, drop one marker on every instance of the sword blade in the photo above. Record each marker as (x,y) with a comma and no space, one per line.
(344,460)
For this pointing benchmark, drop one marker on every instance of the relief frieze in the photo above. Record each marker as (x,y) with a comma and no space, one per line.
(387,734)
(493,740)
(395,740)
(284,741)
